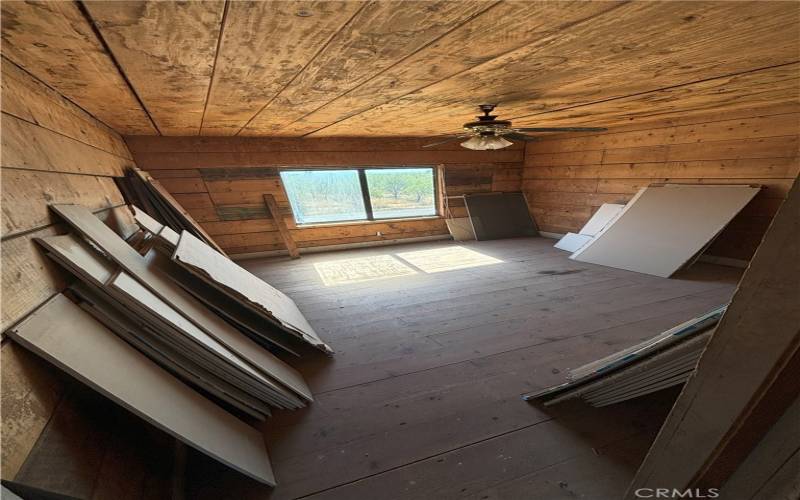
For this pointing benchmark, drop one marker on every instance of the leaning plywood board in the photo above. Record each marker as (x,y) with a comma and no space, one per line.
(663,226)
(499,215)
(228,276)
(116,249)
(68,337)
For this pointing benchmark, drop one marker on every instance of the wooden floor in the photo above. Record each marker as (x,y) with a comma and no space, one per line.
(422,399)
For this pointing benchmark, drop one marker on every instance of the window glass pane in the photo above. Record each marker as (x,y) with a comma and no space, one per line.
(401,192)
(324,195)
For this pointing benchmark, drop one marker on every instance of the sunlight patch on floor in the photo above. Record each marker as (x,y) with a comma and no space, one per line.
(447,259)
(342,272)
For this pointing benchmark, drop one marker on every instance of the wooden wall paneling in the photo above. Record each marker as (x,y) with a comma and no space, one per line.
(750,168)
(167,51)
(706,34)
(54,42)
(52,152)
(29,99)
(753,343)
(567,177)
(218,228)
(29,278)
(378,35)
(231,206)
(28,146)
(26,194)
(31,389)
(182,185)
(522,22)
(156,161)
(262,49)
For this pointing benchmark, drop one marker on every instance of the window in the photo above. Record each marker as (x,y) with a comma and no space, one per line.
(330,195)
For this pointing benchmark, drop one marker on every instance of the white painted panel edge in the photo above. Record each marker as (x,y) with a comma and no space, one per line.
(571,242)
(604,216)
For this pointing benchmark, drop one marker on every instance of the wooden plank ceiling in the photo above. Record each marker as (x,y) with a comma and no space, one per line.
(349,68)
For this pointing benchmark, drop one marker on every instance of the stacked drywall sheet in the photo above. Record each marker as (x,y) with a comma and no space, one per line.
(663,361)
(71,339)
(604,216)
(664,226)
(268,319)
(175,328)
(235,281)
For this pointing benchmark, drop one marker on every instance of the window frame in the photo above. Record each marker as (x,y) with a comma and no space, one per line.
(364,185)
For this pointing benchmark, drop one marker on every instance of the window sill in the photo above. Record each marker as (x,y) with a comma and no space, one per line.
(365,222)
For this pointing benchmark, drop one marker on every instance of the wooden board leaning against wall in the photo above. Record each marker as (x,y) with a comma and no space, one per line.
(52,152)
(567,177)
(221,181)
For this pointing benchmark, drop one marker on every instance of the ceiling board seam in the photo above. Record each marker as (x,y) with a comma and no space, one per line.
(648,126)
(321,49)
(399,61)
(465,70)
(45,84)
(214,66)
(659,89)
(82,8)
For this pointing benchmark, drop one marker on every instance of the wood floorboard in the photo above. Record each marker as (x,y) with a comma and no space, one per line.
(422,399)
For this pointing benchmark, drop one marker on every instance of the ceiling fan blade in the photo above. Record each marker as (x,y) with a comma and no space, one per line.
(451,139)
(519,137)
(561,129)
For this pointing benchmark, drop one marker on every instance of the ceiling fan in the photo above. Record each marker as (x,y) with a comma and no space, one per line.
(490,133)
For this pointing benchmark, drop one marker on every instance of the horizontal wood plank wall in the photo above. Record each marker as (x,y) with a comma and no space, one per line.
(52,152)
(221,182)
(567,177)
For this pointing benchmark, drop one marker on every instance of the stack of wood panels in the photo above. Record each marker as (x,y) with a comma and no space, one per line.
(140,189)
(666,360)
(167,334)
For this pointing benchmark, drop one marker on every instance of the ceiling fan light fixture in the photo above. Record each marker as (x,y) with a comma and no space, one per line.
(486,142)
